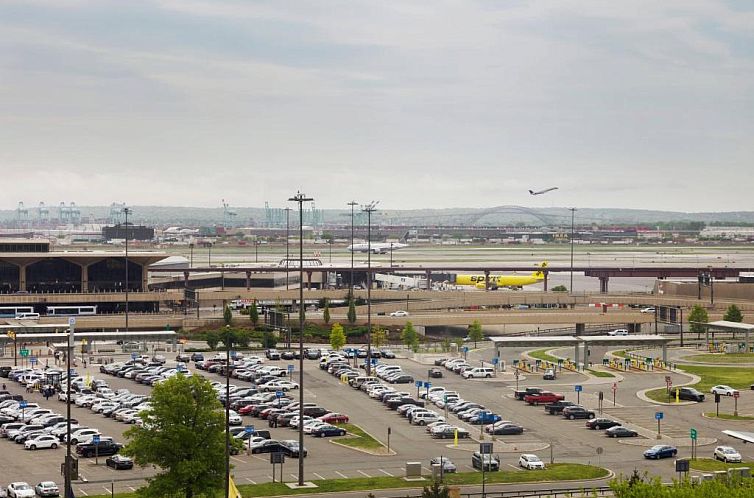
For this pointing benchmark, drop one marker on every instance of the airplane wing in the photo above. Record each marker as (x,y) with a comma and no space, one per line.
(539,192)
(746,437)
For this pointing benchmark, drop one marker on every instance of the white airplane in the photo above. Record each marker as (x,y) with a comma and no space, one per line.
(377,247)
(540,192)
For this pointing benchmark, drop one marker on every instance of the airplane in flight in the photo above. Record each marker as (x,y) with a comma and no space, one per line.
(540,192)
(379,247)
(502,281)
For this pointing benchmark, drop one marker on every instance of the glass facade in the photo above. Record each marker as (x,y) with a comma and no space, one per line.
(109,275)
(8,278)
(35,246)
(53,275)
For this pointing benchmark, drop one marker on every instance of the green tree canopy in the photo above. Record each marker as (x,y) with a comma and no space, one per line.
(733,314)
(212,338)
(410,337)
(337,336)
(326,312)
(475,332)
(254,314)
(699,315)
(183,436)
(351,311)
(379,336)
(227,315)
(654,488)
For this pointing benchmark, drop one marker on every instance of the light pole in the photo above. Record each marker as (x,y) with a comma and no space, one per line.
(256,251)
(228,343)
(68,493)
(369,209)
(209,254)
(573,211)
(191,257)
(301,199)
(127,211)
(391,255)
(287,243)
(352,204)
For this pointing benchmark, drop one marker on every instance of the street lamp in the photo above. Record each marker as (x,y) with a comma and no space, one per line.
(352,204)
(68,493)
(228,343)
(209,254)
(287,243)
(573,211)
(301,199)
(391,255)
(369,209)
(256,251)
(127,211)
(191,257)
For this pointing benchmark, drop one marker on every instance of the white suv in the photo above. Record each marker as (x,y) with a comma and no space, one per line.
(478,373)
(425,418)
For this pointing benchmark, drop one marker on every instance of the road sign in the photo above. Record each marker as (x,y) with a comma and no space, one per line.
(71,372)
(11,334)
(578,388)
(72,321)
(33,360)
(249,429)
(600,450)
(278,394)
(736,394)
(485,448)
(418,383)
(24,352)
(374,361)
(659,415)
(427,385)
(134,355)
(615,386)
(495,360)
(95,439)
(290,368)
(465,349)
(692,434)
(667,379)
(22,404)
(516,373)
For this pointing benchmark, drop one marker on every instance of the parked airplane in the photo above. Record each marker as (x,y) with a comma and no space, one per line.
(540,192)
(498,281)
(378,247)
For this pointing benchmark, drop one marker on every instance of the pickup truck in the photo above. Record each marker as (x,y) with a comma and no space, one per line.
(103,448)
(522,393)
(557,407)
(542,398)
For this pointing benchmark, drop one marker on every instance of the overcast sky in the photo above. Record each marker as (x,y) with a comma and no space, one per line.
(633,104)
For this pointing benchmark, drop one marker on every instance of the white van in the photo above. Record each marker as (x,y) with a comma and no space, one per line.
(478,373)
(27,316)
(618,332)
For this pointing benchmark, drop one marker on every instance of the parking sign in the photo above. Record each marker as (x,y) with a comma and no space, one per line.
(578,388)
(249,429)
(659,415)
(279,394)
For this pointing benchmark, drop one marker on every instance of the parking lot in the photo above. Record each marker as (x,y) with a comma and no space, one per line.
(544,434)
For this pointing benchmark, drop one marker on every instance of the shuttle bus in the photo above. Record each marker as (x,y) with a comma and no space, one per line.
(71,310)
(14,311)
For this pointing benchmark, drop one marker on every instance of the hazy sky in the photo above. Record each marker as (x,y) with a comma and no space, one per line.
(635,104)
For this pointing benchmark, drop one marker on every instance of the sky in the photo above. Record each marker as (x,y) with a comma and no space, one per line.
(418,104)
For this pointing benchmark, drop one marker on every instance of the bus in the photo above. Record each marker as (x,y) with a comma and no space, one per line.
(71,310)
(14,311)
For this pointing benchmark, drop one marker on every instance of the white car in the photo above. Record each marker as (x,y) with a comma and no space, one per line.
(234,418)
(399,313)
(727,454)
(20,490)
(648,310)
(529,461)
(724,390)
(39,442)
(618,332)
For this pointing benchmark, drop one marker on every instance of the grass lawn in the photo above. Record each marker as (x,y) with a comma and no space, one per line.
(620,354)
(661,395)
(599,373)
(730,358)
(357,438)
(737,377)
(554,472)
(728,416)
(710,464)
(541,354)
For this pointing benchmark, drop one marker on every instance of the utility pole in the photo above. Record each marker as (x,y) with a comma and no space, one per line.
(127,211)
(287,242)
(369,209)
(301,198)
(573,213)
(228,343)
(352,204)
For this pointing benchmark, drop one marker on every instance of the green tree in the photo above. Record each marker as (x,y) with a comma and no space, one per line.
(410,337)
(337,336)
(351,311)
(458,342)
(697,317)
(183,436)
(254,314)
(228,337)
(213,339)
(326,312)
(475,332)
(436,490)
(379,336)
(227,315)
(560,288)
(445,344)
(733,314)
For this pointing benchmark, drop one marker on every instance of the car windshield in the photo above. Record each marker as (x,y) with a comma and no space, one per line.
(729,450)
(22,487)
(657,448)
(534,458)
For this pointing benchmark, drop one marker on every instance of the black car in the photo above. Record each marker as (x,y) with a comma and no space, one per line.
(312,354)
(287,355)
(574,412)
(440,362)
(522,393)
(184,357)
(402,379)
(690,394)
(119,462)
(269,446)
(197,357)
(386,353)
(328,430)
(620,431)
(558,407)
(450,433)
(4,371)
(103,448)
(435,373)
(507,429)
(601,423)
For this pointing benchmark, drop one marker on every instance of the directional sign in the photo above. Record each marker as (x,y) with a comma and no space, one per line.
(465,349)
(692,433)
(134,355)
(578,388)
(24,352)
(418,383)
(290,368)
(249,429)
(495,360)
(71,321)
(374,361)
(279,394)
(485,448)
(33,360)
(659,415)
(95,439)
(427,384)
(23,404)
(615,386)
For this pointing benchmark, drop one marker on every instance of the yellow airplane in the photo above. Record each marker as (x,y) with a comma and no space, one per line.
(499,281)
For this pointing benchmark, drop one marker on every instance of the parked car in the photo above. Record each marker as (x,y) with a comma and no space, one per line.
(103,448)
(445,464)
(506,429)
(435,373)
(399,313)
(119,462)
(47,488)
(558,407)
(530,462)
(723,390)
(478,373)
(727,454)
(328,430)
(20,490)
(485,462)
(661,451)
(574,412)
(691,394)
(620,431)
(543,397)
(41,441)
(522,393)
(601,423)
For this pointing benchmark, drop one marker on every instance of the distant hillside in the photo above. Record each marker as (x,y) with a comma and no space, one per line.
(502,215)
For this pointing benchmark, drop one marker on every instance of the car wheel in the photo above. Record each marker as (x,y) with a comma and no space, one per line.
(487,376)
(422,422)
(32,447)
(54,446)
(572,417)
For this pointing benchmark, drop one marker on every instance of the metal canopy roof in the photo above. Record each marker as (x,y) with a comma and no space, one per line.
(592,340)
(95,336)
(724,324)
(535,341)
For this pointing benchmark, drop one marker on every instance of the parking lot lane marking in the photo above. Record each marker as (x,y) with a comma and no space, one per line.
(363,473)
(318,476)
(385,472)
(250,481)
(107,490)
(269,477)
(237,459)
(83,492)
(426,470)
(470,467)
(514,467)
(341,475)
(132,488)
(293,476)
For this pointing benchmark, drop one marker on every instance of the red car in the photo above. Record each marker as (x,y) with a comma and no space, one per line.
(543,397)
(246,410)
(334,418)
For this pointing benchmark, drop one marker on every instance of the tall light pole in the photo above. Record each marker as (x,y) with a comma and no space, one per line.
(127,211)
(287,242)
(228,343)
(573,212)
(391,255)
(352,204)
(301,199)
(68,493)
(191,255)
(369,209)
(209,254)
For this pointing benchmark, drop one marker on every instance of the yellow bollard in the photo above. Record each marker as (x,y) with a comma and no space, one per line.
(677,395)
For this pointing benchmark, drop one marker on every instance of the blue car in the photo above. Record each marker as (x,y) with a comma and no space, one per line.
(484,418)
(661,451)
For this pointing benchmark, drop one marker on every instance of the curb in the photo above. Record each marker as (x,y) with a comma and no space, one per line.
(695,379)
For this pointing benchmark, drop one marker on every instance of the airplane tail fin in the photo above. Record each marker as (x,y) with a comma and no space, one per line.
(540,274)
(404,239)
(531,192)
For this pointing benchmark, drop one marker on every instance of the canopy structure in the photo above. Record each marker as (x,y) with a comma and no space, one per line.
(746,328)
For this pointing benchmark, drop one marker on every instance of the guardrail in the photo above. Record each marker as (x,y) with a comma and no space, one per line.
(533,493)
